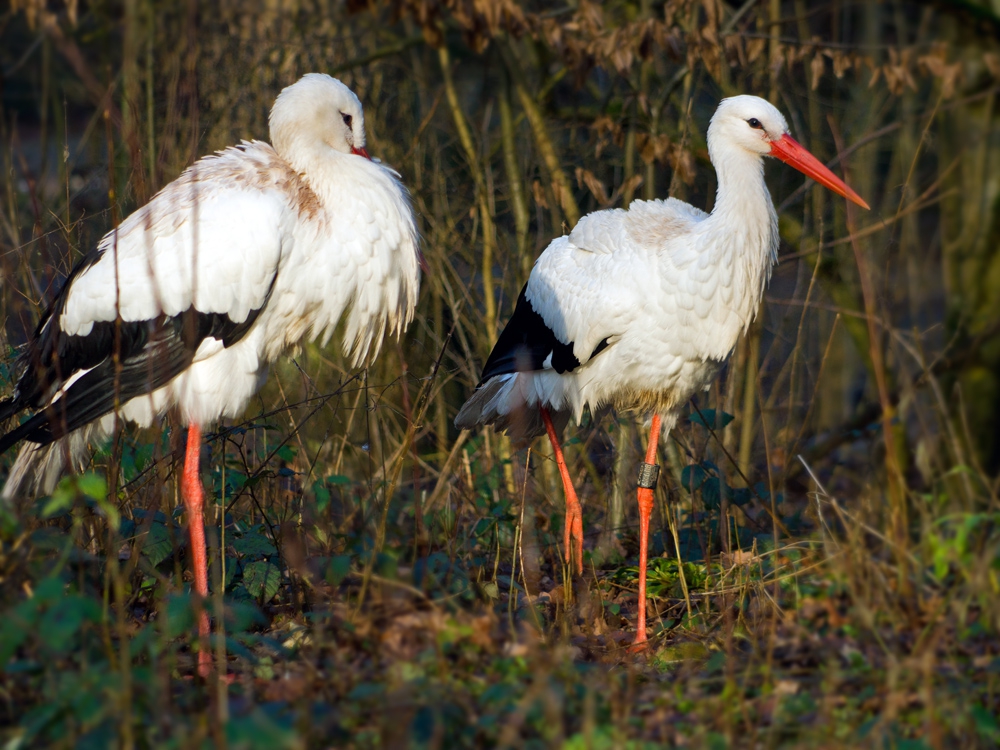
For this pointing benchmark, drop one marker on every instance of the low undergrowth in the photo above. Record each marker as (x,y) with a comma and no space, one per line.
(347,623)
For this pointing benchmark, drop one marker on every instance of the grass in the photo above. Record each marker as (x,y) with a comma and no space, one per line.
(437,642)
(825,562)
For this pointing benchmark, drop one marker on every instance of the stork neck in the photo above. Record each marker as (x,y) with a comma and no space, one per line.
(310,158)
(745,217)
(323,168)
(742,202)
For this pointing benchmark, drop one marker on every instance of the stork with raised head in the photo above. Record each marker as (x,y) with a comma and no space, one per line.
(183,306)
(639,309)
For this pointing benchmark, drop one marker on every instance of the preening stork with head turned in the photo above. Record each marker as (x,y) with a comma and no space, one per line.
(639,309)
(183,306)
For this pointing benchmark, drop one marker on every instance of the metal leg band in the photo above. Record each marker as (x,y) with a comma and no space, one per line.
(648,474)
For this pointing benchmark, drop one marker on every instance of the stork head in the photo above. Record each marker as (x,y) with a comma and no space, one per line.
(317,109)
(753,125)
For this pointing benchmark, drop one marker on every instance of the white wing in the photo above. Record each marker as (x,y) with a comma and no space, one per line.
(591,285)
(360,261)
(212,239)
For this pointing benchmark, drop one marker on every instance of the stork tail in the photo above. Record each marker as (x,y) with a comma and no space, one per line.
(497,402)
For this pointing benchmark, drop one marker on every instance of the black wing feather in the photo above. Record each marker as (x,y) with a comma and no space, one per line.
(151,353)
(525,343)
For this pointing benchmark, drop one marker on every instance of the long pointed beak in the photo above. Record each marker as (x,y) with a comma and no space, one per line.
(364,152)
(794,154)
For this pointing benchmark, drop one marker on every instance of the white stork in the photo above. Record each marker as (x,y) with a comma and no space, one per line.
(246,254)
(639,309)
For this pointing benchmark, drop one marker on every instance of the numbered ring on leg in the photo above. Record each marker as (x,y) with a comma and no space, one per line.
(648,474)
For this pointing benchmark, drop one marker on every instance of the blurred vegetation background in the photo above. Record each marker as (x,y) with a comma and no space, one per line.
(828,531)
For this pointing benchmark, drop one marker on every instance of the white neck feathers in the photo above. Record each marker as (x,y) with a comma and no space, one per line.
(743,223)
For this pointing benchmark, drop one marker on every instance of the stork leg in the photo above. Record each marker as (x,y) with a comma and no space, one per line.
(647,483)
(194,502)
(574,513)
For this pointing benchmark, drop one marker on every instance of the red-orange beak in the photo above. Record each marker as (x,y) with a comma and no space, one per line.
(364,152)
(792,153)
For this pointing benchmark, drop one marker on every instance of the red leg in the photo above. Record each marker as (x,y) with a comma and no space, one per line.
(194,502)
(645,511)
(574,513)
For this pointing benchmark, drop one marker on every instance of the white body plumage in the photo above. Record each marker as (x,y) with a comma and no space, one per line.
(263,247)
(228,229)
(651,300)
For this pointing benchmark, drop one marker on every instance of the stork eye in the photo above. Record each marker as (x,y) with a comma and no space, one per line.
(347,119)
(754,123)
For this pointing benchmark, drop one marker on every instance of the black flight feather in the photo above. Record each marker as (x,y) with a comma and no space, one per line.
(150,352)
(526,342)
